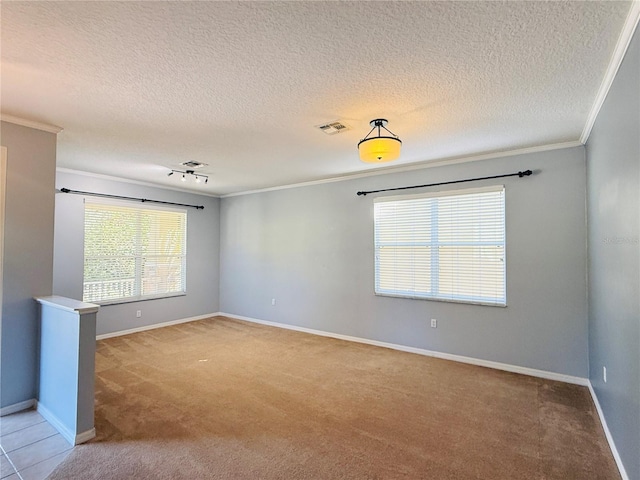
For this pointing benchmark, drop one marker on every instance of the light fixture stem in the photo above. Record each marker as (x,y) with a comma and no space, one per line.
(372,129)
(379,123)
(383,123)
(389,131)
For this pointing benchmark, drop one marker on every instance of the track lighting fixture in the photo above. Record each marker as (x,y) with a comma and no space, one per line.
(188,174)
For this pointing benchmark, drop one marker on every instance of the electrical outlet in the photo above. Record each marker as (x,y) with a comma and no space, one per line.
(138,313)
(604,374)
(273,301)
(434,323)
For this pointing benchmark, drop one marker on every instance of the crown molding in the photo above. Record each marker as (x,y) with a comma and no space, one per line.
(416,166)
(133,182)
(624,40)
(30,123)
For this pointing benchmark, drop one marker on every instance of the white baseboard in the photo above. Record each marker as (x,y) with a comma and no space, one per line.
(612,444)
(17,407)
(56,423)
(154,326)
(69,436)
(429,353)
(85,436)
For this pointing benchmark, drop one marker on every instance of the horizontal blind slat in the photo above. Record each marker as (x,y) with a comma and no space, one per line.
(449,247)
(133,252)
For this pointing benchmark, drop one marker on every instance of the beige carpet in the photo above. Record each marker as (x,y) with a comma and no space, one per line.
(224,399)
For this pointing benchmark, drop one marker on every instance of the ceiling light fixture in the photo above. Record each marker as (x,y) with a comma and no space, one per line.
(188,174)
(382,148)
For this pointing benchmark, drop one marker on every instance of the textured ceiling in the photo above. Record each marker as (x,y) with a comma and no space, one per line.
(140,87)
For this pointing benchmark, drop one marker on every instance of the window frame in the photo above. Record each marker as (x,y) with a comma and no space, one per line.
(138,256)
(433,263)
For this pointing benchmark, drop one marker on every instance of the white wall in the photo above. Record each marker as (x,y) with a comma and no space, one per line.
(311,248)
(203,236)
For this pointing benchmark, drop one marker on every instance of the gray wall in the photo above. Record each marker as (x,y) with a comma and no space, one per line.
(203,237)
(613,168)
(28,255)
(311,248)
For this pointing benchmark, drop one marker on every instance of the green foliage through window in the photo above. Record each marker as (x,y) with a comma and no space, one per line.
(132,253)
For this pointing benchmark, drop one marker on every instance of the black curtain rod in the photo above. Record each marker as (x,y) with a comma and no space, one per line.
(526,173)
(143,200)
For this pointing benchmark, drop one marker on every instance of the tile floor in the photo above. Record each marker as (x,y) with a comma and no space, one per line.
(30,448)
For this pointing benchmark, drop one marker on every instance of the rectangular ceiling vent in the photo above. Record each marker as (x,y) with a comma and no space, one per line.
(193,165)
(333,128)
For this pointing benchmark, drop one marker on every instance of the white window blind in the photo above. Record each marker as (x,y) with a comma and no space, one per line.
(133,253)
(445,246)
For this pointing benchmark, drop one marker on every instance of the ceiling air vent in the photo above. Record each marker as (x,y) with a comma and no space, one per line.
(192,164)
(333,128)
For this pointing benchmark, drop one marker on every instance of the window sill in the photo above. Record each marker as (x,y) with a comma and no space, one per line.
(445,300)
(121,301)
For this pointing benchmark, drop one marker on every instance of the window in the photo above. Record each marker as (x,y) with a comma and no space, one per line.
(443,246)
(133,253)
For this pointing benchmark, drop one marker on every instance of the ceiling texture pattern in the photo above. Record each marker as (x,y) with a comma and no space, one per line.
(140,87)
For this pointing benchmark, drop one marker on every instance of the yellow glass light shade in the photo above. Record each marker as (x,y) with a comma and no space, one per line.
(379,149)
